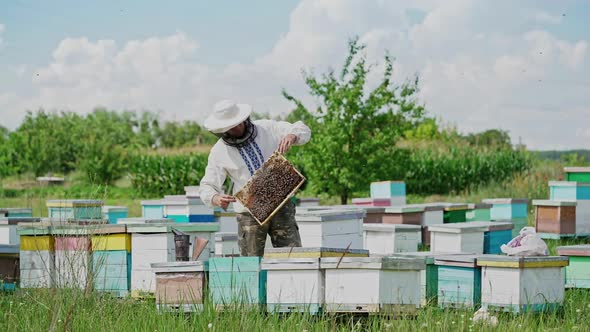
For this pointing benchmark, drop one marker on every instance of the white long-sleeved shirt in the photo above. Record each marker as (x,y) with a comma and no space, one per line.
(240,163)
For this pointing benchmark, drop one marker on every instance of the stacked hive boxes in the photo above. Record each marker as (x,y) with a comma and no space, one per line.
(37,261)
(184,209)
(578,191)
(510,209)
(395,191)
(111,260)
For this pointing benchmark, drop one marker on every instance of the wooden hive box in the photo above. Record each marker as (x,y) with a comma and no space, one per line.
(478,212)
(331,228)
(9,266)
(454,213)
(19,212)
(403,215)
(389,284)
(180,286)
(113,213)
(150,243)
(497,233)
(294,285)
(555,219)
(577,273)
(203,230)
(75,209)
(374,215)
(271,186)
(184,209)
(384,239)
(226,244)
(37,260)
(228,222)
(376,202)
(152,209)
(577,174)
(237,281)
(313,252)
(457,238)
(111,260)
(522,284)
(395,191)
(459,281)
(73,260)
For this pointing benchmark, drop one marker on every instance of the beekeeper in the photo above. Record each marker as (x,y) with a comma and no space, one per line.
(242,148)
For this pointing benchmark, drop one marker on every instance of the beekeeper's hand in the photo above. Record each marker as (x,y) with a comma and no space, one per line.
(286,142)
(222,200)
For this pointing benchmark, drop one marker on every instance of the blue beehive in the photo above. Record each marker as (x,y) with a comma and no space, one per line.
(497,234)
(19,212)
(392,190)
(237,281)
(459,281)
(184,209)
(74,209)
(111,260)
(153,209)
(515,210)
(569,190)
(113,213)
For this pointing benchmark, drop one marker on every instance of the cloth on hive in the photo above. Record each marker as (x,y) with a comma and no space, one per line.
(527,243)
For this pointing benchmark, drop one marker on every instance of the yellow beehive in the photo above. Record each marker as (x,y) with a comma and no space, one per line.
(43,242)
(112,242)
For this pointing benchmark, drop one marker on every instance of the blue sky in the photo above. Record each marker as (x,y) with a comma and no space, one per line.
(522,66)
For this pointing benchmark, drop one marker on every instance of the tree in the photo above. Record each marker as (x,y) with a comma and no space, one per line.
(492,138)
(354,130)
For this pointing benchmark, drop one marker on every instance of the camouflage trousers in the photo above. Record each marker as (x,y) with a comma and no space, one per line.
(282,229)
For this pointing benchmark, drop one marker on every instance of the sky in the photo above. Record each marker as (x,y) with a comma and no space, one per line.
(520,66)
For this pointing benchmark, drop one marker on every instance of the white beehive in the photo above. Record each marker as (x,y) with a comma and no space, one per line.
(457,238)
(37,260)
(384,239)
(522,284)
(372,284)
(331,228)
(294,284)
(226,244)
(149,244)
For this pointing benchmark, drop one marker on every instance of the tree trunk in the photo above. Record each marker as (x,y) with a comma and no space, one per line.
(344,198)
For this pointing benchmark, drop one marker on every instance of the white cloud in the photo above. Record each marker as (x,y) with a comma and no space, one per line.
(545,17)
(473,73)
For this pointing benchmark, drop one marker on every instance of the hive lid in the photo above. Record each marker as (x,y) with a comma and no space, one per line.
(577,169)
(178,267)
(460,260)
(152,202)
(493,225)
(392,228)
(522,262)
(18,220)
(8,211)
(427,256)
(33,229)
(66,203)
(477,206)
(429,206)
(506,200)
(548,202)
(149,228)
(404,209)
(114,208)
(458,228)
(373,262)
(109,229)
(290,264)
(330,215)
(577,250)
(313,252)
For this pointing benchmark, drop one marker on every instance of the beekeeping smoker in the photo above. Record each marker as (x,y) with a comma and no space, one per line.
(243,147)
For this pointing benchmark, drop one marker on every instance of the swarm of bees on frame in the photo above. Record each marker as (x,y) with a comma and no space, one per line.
(268,188)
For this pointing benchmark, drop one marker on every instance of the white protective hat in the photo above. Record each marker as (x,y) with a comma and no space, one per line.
(226,115)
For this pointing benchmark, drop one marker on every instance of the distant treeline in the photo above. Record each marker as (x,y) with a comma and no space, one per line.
(560,155)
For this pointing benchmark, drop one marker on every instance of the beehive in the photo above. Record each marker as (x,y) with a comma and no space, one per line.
(152,209)
(522,284)
(294,284)
(574,191)
(271,186)
(577,174)
(73,261)
(237,281)
(377,202)
(200,230)
(454,213)
(384,239)
(37,260)
(478,212)
(457,238)
(150,244)
(513,209)
(331,228)
(180,286)
(74,209)
(577,273)
(185,209)
(9,266)
(403,215)
(555,219)
(111,260)
(226,244)
(19,212)
(311,252)
(459,281)
(395,191)
(113,213)
(389,284)
(497,233)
